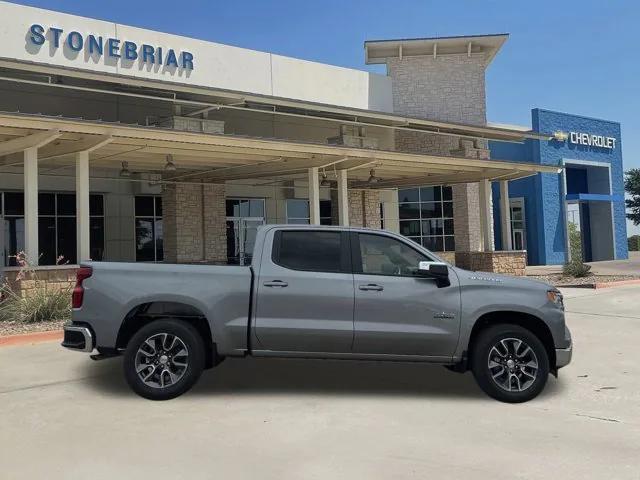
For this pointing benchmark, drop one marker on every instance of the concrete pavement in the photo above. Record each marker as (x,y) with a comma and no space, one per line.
(64,416)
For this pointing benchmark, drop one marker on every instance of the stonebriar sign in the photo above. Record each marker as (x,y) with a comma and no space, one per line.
(97,45)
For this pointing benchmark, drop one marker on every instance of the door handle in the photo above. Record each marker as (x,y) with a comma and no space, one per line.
(276,283)
(371,287)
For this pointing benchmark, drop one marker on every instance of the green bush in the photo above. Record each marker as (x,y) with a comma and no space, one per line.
(634,243)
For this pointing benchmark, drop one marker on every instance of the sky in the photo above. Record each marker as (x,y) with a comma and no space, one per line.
(579,57)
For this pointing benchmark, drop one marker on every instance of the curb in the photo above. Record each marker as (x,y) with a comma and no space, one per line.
(596,286)
(619,283)
(31,338)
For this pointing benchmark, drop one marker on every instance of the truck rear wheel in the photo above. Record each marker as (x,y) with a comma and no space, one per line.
(164,359)
(509,363)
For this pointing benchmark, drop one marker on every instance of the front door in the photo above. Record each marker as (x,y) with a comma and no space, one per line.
(305,293)
(398,312)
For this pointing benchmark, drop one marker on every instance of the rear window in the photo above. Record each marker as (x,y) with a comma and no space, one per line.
(308,250)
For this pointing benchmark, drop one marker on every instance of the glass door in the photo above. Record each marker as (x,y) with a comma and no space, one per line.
(241,238)
(244,216)
(518,228)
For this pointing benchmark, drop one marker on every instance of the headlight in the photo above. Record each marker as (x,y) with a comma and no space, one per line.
(555,297)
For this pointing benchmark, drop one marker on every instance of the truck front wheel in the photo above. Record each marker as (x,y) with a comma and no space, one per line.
(509,363)
(164,359)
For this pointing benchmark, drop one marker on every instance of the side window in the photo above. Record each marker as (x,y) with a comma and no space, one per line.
(309,250)
(387,256)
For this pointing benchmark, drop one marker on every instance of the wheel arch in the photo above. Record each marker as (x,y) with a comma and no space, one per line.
(530,322)
(149,311)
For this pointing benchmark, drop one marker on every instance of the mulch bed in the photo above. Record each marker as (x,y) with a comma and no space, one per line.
(559,280)
(16,328)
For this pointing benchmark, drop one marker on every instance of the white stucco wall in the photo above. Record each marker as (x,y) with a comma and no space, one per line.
(215,65)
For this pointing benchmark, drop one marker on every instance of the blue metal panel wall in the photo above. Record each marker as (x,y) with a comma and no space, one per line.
(552,153)
(544,205)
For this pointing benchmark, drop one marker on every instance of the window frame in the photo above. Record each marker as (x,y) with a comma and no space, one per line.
(419,203)
(356,255)
(307,219)
(154,218)
(345,250)
(55,216)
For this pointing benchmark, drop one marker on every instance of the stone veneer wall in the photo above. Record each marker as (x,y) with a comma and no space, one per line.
(449,257)
(194,223)
(215,223)
(511,262)
(449,88)
(364,208)
(62,277)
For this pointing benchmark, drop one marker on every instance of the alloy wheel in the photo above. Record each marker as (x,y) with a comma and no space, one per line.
(161,360)
(513,365)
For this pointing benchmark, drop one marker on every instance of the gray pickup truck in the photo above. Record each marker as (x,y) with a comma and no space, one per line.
(320,292)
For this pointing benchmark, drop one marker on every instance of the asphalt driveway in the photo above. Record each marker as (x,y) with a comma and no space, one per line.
(64,416)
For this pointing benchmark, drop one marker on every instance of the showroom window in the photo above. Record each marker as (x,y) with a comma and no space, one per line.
(298,212)
(426,217)
(56,227)
(148,221)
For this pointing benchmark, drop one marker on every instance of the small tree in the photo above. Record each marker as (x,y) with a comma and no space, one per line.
(632,187)
(575,267)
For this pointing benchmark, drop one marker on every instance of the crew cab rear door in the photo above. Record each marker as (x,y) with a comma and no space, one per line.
(397,311)
(305,293)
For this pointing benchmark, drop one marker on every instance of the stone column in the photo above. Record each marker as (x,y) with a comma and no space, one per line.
(364,208)
(215,223)
(182,218)
(194,223)
(448,88)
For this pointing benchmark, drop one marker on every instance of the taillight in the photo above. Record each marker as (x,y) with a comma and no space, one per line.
(78,291)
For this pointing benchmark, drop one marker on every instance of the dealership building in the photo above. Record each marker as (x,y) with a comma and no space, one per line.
(124,144)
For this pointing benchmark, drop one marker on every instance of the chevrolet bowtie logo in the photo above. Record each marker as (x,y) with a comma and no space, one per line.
(560,136)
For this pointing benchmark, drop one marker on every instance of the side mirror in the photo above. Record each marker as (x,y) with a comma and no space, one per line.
(438,270)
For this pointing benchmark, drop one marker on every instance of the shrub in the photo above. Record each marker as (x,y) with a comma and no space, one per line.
(634,243)
(576,269)
(42,304)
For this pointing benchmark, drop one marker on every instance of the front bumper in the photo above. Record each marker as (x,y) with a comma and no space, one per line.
(78,337)
(563,356)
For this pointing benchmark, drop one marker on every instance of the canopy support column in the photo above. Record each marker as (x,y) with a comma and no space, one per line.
(31,248)
(343,199)
(314,196)
(486,217)
(82,206)
(505,215)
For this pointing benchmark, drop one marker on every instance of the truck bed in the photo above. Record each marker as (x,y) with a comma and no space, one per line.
(220,293)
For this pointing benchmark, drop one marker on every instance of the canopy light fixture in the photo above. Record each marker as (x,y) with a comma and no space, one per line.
(325,181)
(125,172)
(372,177)
(170,166)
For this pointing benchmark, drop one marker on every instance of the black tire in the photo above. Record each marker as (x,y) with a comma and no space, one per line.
(518,377)
(186,376)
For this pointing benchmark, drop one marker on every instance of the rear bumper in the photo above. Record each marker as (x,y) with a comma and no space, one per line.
(563,356)
(79,338)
